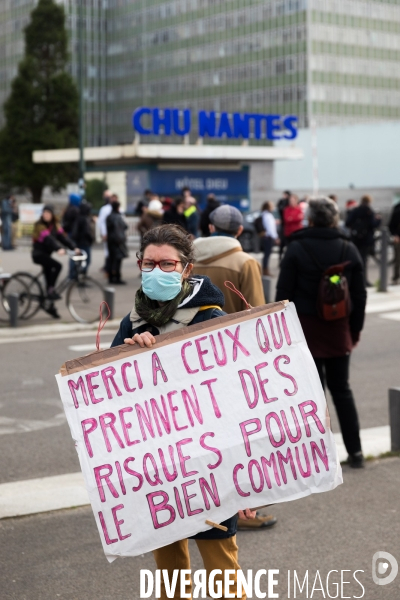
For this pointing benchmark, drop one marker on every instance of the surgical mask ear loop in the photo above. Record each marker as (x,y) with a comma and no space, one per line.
(183,272)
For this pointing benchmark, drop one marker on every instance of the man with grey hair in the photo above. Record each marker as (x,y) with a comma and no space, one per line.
(310,252)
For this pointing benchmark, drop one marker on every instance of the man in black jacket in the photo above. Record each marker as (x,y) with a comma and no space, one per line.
(394,228)
(310,252)
(362,223)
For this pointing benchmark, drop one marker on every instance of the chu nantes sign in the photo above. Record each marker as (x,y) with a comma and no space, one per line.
(173,121)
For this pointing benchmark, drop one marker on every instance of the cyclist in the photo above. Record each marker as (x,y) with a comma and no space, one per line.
(49,237)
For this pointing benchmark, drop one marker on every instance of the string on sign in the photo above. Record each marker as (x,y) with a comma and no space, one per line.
(233,289)
(101,322)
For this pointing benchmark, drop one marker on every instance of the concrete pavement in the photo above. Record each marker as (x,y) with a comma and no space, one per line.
(59,555)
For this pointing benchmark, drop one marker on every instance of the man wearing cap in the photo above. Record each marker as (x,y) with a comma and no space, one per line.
(221,258)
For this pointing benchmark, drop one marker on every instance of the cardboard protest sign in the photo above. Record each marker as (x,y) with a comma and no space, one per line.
(216,417)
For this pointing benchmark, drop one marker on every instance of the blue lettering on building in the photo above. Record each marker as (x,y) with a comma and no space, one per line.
(173,121)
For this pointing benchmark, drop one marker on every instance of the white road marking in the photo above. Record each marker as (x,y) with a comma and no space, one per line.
(84,347)
(41,495)
(374,441)
(9,425)
(67,491)
(54,336)
(392,316)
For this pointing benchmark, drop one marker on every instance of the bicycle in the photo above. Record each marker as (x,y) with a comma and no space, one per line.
(8,286)
(83,294)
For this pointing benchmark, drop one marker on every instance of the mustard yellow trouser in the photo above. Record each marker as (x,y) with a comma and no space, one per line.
(216,554)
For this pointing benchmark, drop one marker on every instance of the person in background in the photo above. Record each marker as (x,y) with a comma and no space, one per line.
(14,222)
(49,237)
(83,235)
(175,215)
(152,217)
(191,215)
(333,197)
(71,213)
(292,217)
(144,203)
(281,205)
(104,212)
(394,228)
(362,222)
(270,235)
(221,258)
(170,298)
(116,241)
(310,251)
(211,205)
(6,223)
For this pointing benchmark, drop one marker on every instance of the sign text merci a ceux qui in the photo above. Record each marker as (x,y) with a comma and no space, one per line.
(214,418)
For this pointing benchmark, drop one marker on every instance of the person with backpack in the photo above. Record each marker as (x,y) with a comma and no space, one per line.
(322,273)
(265,226)
(362,222)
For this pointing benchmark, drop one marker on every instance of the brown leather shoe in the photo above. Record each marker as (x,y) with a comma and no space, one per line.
(260,522)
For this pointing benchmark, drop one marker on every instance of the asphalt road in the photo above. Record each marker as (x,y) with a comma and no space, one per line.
(35,439)
(59,555)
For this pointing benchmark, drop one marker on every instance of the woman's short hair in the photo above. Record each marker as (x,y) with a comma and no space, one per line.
(323,212)
(366,200)
(170,235)
(267,206)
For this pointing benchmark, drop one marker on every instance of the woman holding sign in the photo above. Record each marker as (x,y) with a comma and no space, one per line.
(169,299)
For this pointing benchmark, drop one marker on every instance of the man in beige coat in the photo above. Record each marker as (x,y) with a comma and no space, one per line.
(221,258)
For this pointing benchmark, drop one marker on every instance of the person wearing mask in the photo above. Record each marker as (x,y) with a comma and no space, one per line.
(152,217)
(83,235)
(175,215)
(49,237)
(362,222)
(269,237)
(169,298)
(104,212)
(292,217)
(394,228)
(116,241)
(211,205)
(310,252)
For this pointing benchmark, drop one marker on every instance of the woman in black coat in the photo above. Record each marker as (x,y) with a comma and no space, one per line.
(310,252)
(116,241)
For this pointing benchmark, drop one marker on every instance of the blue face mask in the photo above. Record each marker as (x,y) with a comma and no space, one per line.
(161,286)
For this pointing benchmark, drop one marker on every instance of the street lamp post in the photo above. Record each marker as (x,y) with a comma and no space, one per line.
(81,115)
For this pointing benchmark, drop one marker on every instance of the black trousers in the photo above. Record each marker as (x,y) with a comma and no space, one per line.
(334,374)
(51,267)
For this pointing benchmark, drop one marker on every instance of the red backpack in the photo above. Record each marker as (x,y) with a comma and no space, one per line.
(333,300)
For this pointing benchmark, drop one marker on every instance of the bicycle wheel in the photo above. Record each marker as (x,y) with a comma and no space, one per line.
(83,300)
(16,285)
(36,293)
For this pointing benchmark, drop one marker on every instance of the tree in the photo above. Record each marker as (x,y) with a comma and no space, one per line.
(94,190)
(42,109)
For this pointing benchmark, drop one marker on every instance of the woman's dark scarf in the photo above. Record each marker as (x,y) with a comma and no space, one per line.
(154,313)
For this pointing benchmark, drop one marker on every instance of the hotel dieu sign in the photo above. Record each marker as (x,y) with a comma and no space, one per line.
(174,121)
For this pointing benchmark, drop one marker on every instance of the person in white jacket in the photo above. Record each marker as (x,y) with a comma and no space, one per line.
(102,225)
